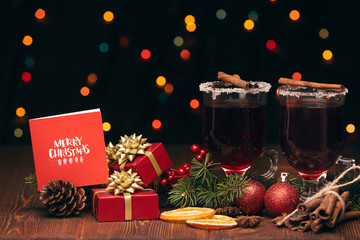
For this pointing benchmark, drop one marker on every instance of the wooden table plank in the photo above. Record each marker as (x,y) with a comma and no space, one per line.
(22,216)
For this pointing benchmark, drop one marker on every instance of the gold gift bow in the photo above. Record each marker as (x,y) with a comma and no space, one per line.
(127,202)
(153,161)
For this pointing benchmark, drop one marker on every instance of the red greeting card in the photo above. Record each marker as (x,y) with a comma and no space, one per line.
(69,146)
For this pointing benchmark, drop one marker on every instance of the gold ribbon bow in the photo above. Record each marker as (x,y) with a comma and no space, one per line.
(124,182)
(127,148)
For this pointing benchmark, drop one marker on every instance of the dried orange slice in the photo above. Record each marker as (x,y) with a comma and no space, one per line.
(215,222)
(187,213)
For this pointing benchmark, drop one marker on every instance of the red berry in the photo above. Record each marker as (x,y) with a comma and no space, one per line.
(203,152)
(163,182)
(185,165)
(167,172)
(187,169)
(199,157)
(180,176)
(170,178)
(180,171)
(194,148)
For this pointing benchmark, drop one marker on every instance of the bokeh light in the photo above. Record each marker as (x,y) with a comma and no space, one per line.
(221,14)
(160,81)
(26,77)
(124,41)
(194,104)
(191,27)
(20,112)
(92,79)
(169,88)
(27,40)
(106,126)
(271,44)
(145,54)
(350,128)
(178,41)
(253,16)
(296,76)
(84,91)
(249,24)
(327,55)
(323,33)
(163,97)
(156,124)
(104,47)
(40,14)
(294,15)
(29,62)
(185,55)
(18,132)
(189,19)
(108,16)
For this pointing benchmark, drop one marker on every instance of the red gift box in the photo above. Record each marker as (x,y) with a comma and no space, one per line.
(148,166)
(109,207)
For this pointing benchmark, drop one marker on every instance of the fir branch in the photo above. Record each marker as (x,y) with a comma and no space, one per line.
(31,180)
(355,205)
(202,170)
(232,187)
(297,183)
(184,193)
(209,197)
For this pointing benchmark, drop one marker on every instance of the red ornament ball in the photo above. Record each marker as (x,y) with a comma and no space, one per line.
(194,148)
(281,198)
(253,201)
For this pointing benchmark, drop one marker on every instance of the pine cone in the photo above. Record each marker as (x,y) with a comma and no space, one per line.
(62,198)
(228,211)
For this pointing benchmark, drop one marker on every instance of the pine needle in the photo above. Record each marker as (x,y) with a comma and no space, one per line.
(184,193)
(31,180)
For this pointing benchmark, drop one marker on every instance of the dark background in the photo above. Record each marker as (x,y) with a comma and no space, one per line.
(66,51)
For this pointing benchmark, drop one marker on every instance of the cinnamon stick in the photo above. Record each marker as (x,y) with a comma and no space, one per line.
(332,220)
(326,86)
(305,208)
(304,226)
(322,207)
(317,225)
(351,215)
(326,213)
(234,80)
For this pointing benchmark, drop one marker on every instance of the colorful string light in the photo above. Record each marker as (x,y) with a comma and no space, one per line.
(27,40)
(323,33)
(271,44)
(20,112)
(221,14)
(85,91)
(249,25)
(108,16)
(156,124)
(350,128)
(145,54)
(106,126)
(194,104)
(296,76)
(294,15)
(29,62)
(18,132)
(40,14)
(92,79)
(124,41)
(185,54)
(169,88)
(26,77)
(104,47)
(178,41)
(327,55)
(160,81)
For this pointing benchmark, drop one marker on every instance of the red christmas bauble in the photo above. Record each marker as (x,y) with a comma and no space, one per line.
(281,198)
(253,201)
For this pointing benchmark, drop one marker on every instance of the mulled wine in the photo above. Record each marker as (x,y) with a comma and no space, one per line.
(311,134)
(234,132)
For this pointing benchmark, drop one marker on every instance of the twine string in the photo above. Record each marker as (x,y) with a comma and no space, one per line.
(329,188)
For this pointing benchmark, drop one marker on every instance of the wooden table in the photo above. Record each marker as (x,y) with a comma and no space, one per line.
(22,216)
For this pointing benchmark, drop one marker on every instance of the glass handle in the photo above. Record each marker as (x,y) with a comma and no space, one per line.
(273,156)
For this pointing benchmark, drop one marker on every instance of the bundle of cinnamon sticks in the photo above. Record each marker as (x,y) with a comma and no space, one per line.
(320,213)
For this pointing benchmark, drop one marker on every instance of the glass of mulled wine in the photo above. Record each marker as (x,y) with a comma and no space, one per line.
(234,126)
(311,131)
